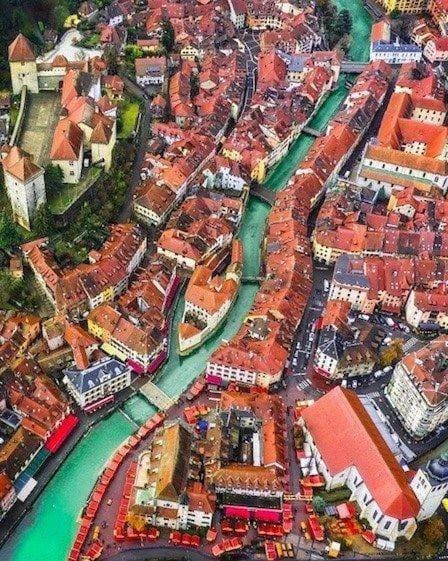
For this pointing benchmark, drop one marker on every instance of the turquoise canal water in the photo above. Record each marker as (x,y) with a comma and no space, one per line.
(48,529)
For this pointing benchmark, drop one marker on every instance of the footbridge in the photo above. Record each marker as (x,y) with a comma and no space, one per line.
(156,396)
(312,132)
(352,67)
(263,193)
(252,280)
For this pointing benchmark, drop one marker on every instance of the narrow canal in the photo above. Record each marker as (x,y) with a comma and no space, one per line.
(47,531)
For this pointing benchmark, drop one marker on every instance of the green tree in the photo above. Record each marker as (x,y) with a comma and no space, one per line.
(319,504)
(43,223)
(167,35)
(53,179)
(9,233)
(60,14)
(111,57)
(434,530)
(392,353)
(344,23)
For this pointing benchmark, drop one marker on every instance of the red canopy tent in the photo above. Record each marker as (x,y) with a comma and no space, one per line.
(153,533)
(269,548)
(226,526)
(265,515)
(369,536)
(316,528)
(218,550)
(186,539)
(95,551)
(195,540)
(241,527)
(60,435)
(211,535)
(175,537)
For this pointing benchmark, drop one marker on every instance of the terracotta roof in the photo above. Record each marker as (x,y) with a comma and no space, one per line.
(346,436)
(67,141)
(101,134)
(20,164)
(20,50)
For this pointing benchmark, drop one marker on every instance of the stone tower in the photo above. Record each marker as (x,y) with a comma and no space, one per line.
(22,64)
(25,185)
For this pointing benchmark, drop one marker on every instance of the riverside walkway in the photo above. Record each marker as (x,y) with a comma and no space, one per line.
(156,396)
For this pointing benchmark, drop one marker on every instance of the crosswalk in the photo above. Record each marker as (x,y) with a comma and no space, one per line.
(410,344)
(374,394)
(303,384)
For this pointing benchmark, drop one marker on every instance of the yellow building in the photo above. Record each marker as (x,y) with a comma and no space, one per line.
(405,6)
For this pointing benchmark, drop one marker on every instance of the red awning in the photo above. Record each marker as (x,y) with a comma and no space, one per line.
(237,512)
(60,435)
(265,515)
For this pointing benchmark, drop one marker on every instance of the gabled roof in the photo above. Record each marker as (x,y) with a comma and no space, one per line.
(20,50)
(346,436)
(67,141)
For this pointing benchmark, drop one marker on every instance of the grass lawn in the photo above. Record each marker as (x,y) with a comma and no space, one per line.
(70,192)
(129,110)
(336,495)
(13,114)
(90,41)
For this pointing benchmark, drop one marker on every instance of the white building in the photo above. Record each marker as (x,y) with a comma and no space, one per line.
(418,388)
(396,52)
(25,185)
(97,385)
(237,12)
(430,484)
(425,307)
(349,451)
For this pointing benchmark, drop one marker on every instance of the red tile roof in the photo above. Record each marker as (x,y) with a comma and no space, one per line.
(20,50)
(346,436)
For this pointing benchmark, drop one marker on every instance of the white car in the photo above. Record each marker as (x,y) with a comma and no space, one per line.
(311,337)
(387,369)
(378,373)
(387,340)
(365,317)
(390,322)
(326,285)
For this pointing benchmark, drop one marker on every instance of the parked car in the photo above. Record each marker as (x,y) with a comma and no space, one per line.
(390,322)
(365,317)
(378,373)
(387,369)
(387,340)
(326,285)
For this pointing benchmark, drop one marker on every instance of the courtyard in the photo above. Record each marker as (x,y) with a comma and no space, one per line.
(41,116)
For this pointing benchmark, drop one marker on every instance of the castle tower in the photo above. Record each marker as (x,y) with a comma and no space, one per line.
(25,185)
(22,65)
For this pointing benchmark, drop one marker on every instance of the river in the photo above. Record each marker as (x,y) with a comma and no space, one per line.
(47,531)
